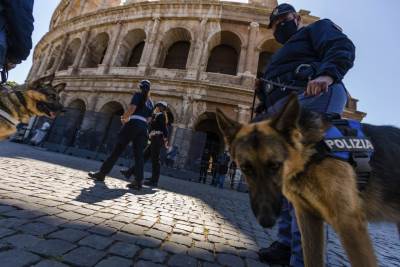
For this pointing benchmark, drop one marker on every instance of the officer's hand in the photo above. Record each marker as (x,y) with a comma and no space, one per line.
(318,85)
(124,119)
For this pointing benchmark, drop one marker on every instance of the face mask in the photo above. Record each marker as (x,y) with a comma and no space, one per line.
(285,30)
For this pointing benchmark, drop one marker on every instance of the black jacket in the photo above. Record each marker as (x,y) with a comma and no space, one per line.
(321,44)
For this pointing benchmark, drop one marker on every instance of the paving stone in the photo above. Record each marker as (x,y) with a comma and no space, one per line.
(52,247)
(134,229)
(211,264)
(174,248)
(128,238)
(84,256)
(179,260)
(201,254)
(156,234)
(184,240)
(12,222)
(163,227)
(148,242)
(37,228)
(114,262)
(143,263)
(22,240)
(154,255)
(4,209)
(245,253)
(6,232)
(69,215)
(50,263)
(70,235)
(101,230)
(204,245)
(254,263)
(124,249)
(17,258)
(96,241)
(230,260)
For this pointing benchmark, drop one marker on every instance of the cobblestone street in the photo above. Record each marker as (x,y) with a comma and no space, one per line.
(52,215)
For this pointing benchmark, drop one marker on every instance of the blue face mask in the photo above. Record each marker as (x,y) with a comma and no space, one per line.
(285,30)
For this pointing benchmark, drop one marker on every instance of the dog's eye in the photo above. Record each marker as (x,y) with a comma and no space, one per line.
(247,169)
(273,166)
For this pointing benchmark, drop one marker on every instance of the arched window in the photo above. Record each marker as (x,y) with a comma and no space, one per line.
(131,49)
(70,54)
(177,55)
(224,52)
(97,51)
(174,50)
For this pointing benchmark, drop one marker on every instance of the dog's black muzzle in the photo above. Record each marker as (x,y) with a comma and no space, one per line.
(50,109)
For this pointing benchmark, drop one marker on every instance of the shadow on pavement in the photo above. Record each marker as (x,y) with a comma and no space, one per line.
(99,192)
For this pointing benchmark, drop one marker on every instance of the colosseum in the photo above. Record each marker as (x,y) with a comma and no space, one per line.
(198,54)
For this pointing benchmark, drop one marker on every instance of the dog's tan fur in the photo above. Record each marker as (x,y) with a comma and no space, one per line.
(39,91)
(275,156)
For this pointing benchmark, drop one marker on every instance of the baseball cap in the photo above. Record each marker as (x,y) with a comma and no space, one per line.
(162,103)
(279,11)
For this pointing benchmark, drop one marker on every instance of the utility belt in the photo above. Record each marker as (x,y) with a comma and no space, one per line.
(138,117)
(155,133)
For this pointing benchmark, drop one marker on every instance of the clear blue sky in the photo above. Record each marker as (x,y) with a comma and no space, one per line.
(371,24)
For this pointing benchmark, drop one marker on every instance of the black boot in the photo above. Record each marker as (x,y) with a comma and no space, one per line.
(98,176)
(151,183)
(277,253)
(134,185)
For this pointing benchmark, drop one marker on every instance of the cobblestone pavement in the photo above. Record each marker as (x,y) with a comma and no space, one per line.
(52,215)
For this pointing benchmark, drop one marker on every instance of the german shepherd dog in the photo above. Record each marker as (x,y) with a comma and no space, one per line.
(22,102)
(278,155)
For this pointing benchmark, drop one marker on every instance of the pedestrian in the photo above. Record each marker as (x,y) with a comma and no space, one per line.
(204,164)
(16,27)
(158,139)
(232,172)
(134,129)
(316,58)
(214,173)
(40,134)
(223,167)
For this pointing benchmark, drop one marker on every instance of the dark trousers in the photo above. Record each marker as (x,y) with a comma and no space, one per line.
(203,173)
(152,151)
(134,131)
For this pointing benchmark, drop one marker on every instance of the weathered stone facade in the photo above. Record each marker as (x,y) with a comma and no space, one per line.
(199,55)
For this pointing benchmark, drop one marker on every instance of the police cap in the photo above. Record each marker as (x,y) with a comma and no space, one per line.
(279,11)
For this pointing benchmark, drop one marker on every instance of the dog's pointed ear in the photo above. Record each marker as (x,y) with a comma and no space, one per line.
(288,118)
(227,126)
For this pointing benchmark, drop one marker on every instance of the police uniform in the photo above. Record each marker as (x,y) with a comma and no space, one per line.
(135,131)
(158,132)
(319,49)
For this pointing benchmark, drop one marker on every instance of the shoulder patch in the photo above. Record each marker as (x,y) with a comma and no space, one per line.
(337,27)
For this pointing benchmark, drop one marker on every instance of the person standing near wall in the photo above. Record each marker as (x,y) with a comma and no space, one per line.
(135,129)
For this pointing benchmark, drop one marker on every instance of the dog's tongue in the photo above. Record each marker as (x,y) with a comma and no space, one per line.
(52,115)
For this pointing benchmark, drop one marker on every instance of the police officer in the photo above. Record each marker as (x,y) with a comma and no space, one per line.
(312,62)
(158,138)
(135,129)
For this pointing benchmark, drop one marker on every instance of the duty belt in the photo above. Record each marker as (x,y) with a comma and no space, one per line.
(153,133)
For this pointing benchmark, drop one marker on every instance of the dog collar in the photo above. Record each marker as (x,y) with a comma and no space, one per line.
(8,117)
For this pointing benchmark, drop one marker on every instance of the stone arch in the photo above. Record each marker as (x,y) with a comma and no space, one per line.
(266,49)
(54,55)
(96,50)
(75,101)
(207,141)
(109,122)
(224,51)
(70,53)
(131,49)
(112,107)
(78,104)
(174,48)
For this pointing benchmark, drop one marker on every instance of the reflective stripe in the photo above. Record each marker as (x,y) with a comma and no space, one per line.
(138,117)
